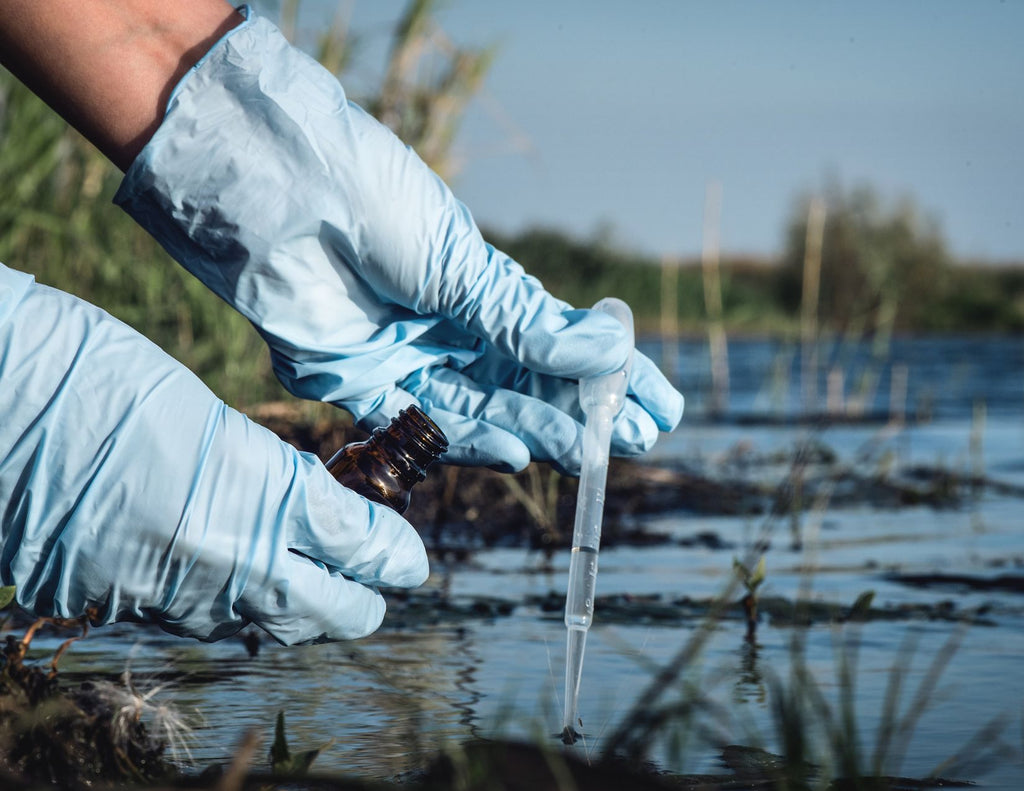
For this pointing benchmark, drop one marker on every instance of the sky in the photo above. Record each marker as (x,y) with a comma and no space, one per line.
(602,117)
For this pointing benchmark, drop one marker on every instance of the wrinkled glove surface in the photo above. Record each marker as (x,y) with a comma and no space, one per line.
(369,281)
(129,489)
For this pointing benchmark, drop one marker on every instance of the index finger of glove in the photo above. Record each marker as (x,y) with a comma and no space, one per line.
(367,542)
(513,312)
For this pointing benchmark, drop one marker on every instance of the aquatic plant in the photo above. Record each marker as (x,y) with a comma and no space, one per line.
(282,761)
(751,579)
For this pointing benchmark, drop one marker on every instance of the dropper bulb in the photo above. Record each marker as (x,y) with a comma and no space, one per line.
(609,390)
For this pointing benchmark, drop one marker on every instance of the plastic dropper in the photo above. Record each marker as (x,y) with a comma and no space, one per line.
(601,398)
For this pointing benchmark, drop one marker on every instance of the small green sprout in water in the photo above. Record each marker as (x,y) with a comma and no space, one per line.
(861,608)
(751,581)
(282,762)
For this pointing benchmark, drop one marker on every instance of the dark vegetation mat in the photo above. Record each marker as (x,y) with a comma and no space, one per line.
(416,608)
(459,509)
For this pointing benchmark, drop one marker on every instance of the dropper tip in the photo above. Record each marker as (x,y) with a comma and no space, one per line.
(570,735)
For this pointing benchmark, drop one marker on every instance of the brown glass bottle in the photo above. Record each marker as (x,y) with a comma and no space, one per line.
(385,467)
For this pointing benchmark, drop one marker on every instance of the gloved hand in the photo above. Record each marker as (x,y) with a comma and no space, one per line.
(127,487)
(368,279)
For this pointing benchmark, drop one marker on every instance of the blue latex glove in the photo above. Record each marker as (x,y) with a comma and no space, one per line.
(368,279)
(127,487)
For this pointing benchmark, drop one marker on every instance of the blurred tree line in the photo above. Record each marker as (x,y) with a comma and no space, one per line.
(882,267)
(886,265)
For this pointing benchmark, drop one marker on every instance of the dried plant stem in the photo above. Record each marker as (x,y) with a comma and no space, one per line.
(717,340)
(809,303)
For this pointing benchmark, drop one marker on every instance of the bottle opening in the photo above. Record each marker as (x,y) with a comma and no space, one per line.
(423,430)
(413,440)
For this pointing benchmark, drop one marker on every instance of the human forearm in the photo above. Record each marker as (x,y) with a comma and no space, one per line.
(109,66)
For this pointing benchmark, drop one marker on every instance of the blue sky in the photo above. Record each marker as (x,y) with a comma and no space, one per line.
(613,115)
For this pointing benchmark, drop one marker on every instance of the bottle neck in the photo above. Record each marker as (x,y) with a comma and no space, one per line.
(411,442)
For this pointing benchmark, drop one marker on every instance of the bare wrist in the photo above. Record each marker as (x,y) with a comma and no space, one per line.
(108,66)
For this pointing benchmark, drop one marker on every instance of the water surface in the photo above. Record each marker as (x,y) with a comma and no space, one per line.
(386,702)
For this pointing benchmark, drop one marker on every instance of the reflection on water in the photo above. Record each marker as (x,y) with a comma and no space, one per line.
(386,702)
(389,701)
(750,686)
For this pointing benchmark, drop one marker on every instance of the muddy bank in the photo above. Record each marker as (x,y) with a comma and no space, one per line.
(418,608)
(459,509)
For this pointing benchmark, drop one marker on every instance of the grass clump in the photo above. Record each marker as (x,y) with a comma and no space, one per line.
(68,738)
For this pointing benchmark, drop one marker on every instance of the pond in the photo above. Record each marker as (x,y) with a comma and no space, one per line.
(947,581)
